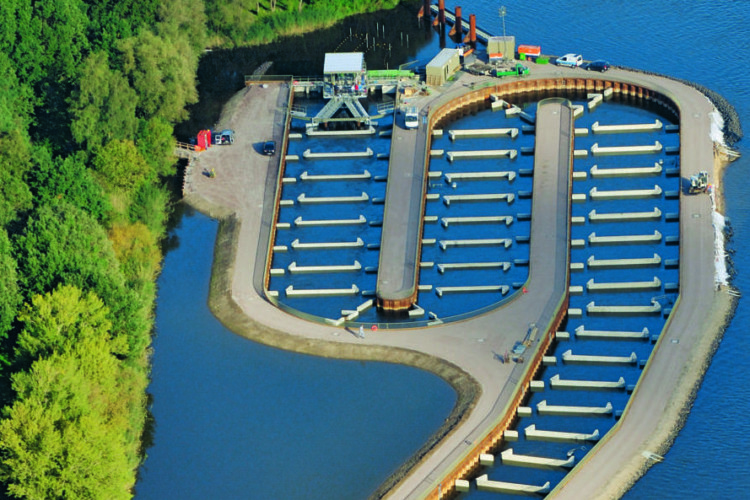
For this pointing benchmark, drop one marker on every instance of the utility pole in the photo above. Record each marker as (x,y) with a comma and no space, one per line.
(503,12)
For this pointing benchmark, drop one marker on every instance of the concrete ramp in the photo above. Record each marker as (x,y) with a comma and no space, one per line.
(510,458)
(593,309)
(584,359)
(485,484)
(595,263)
(556,383)
(582,333)
(573,411)
(534,434)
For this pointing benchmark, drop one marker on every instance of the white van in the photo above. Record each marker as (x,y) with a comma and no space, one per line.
(411,119)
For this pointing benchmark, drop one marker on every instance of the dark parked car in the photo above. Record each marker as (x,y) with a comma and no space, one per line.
(600,66)
(269,148)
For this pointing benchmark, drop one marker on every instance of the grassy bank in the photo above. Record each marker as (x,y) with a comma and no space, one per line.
(239,23)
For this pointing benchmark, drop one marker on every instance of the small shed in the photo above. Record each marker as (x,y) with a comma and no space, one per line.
(505,45)
(442,67)
(345,73)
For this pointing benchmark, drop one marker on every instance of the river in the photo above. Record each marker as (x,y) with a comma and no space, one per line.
(239,420)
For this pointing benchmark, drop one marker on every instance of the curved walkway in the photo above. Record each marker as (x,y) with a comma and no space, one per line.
(244,188)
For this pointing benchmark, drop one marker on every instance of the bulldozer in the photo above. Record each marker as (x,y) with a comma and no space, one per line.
(698,183)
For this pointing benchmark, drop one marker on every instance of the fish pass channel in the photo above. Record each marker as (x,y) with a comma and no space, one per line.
(598,358)
(477,214)
(624,260)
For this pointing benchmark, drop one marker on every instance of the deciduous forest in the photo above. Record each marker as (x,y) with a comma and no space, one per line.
(89,93)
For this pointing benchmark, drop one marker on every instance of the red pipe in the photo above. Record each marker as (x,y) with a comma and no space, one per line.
(473,30)
(441,12)
(458,27)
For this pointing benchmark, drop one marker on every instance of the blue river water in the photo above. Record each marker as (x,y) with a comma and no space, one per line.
(239,420)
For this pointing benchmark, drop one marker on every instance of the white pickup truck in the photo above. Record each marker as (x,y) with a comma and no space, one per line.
(411,118)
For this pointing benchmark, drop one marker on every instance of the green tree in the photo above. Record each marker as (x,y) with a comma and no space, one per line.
(156,143)
(114,20)
(103,106)
(186,20)
(162,71)
(15,159)
(151,206)
(121,166)
(15,102)
(66,178)
(10,296)
(57,321)
(60,438)
(60,245)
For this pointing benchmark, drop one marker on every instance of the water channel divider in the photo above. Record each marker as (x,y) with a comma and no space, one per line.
(452,198)
(485,132)
(625,239)
(299,221)
(627,310)
(598,172)
(309,155)
(321,292)
(297,245)
(482,219)
(460,266)
(304,199)
(653,215)
(509,458)
(503,289)
(623,286)
(597,128)
(482,154)
(582,333)
(306,176)
(588,359)
(485,484)
(505,242)
(543,408)
(556,383)
(533,434)
(598,150)
(595,263)
(479,176)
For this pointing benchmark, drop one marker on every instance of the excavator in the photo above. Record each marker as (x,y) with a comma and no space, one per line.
(699,183)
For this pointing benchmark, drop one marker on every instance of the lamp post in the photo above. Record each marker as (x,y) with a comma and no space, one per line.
(503,11)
